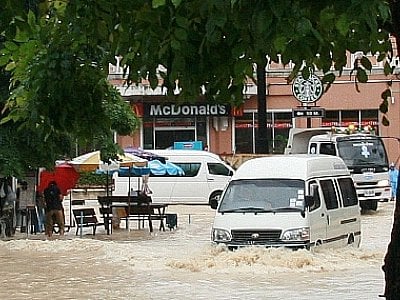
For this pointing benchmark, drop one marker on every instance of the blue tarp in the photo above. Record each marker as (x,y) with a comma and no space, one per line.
(158,168)
(155,167)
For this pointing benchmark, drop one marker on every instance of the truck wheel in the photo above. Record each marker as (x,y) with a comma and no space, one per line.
(373,205)
(369,205)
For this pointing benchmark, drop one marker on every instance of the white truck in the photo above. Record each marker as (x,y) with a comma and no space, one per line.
(362,151)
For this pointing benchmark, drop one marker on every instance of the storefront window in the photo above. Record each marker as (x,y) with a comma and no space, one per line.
(350,117)
(201,130)
(342,118)
(161,133)
(282,125)
(370,118)
(244,133)
(148,140)
(331,118)
(278,125)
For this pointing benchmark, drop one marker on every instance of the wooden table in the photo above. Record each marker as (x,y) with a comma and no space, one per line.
(135,209)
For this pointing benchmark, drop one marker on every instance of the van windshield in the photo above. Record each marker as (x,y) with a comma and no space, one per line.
(258,195)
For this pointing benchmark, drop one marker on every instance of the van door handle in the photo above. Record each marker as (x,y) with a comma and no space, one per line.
(210,179)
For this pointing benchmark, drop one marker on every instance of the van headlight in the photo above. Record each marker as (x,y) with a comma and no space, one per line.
(384,182)
(220,235)
(298,234)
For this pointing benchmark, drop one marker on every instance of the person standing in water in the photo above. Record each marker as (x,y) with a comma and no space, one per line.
(54,209)
(393,175)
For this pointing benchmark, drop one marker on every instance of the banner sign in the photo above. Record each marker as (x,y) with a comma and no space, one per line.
(308,113)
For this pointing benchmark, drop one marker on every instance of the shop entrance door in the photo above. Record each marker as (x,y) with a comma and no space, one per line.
(166,138)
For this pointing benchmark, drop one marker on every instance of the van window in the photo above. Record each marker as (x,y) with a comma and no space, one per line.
(327,148)
(329,193)
(348,191)
(190,169)
(218,169)
(317,199)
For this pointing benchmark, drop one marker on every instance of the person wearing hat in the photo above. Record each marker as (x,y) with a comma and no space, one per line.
(393,175)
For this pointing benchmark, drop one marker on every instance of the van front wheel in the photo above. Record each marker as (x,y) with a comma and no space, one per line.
(350,239)
(214,197)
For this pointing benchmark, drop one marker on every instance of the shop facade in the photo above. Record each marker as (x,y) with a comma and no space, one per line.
(224,129)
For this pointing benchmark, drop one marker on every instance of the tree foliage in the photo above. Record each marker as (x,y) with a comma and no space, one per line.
(57,53)
(59,93)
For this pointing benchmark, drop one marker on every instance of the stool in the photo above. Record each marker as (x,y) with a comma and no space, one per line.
(30,218)
(171,220)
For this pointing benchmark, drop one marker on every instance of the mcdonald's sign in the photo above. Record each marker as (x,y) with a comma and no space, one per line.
(138,109)
(237,111)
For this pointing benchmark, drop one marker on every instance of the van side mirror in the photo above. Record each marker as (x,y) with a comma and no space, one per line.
(214,203)
(309,201)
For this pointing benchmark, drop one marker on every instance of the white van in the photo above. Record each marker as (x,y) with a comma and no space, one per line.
(294,201)
(205,177)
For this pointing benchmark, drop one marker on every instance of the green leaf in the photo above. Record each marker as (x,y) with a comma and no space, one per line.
(158,3)
(280,44)
(386,94)
(31,19)
(387,68)
(182,22)
(381,56)
(10,66)
(366,63)
(10,46)
(175,44)
(4,59)
(180,34)
(343,24)
(176,2)
(362,75)
(385,121)
(383,107)
(330,77)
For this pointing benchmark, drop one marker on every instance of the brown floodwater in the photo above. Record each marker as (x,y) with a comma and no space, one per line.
(183,264)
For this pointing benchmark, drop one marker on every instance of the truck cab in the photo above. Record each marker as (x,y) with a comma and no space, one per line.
(362,151)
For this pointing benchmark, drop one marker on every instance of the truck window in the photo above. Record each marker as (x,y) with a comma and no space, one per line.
(330,197)
(313,148)
(327,148)
(348,191)
(363,151)
(218,169)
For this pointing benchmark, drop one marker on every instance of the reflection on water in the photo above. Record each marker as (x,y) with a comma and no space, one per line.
(182,264)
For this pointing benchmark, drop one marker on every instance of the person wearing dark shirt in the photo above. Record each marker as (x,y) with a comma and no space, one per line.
(54,209)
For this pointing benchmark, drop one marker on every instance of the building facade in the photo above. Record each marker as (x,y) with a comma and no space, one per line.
(223,129)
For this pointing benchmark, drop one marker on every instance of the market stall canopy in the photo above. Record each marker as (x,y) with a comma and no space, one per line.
(91,162)
(64,175)
(148,155)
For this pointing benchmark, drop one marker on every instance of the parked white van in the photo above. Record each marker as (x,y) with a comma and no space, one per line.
(205,177)
(294,201)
